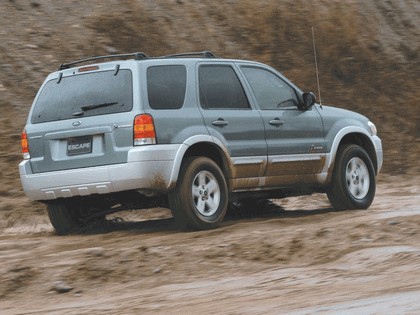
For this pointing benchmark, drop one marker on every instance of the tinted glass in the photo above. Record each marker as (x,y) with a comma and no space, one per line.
(270,91)
(220,88)
(83,95)
(166,86)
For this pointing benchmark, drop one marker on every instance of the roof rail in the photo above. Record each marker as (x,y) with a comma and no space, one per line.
(137,56)
(205,54)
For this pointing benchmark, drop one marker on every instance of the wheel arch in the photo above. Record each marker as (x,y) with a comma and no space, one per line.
(205,147)
(350,135)
(363,141)
(212,151)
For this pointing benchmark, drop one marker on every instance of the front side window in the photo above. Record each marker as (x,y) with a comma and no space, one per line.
(166,86)
(84,95)
(220,88)
(270,91)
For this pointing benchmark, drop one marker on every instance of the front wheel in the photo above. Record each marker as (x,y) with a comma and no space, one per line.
(353,180)
(199,200)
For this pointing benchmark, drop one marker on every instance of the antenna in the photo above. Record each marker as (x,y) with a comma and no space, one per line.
(316,67)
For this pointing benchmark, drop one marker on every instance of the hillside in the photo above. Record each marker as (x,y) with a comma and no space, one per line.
(368,54)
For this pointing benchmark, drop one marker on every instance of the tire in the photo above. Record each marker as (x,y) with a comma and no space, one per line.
(353,182)
(65,216)
(200,198)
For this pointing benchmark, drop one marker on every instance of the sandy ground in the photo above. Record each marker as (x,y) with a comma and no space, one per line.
(297,257)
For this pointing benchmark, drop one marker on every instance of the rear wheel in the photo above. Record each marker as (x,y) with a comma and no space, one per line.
(65,216)
(199,200)
(353,180)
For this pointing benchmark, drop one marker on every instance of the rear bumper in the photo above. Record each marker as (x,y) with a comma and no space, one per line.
(150,167)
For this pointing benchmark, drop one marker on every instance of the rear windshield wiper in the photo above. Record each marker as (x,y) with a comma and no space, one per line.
(94,106)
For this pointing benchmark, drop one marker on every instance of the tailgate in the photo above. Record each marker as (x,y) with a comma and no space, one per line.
(81,120)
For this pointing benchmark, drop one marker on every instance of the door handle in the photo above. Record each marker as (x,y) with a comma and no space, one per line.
(276,122)
(220,122)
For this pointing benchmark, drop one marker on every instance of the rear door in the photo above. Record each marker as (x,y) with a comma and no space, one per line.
(230,118)
(296,146)
(82,118)
(171,100)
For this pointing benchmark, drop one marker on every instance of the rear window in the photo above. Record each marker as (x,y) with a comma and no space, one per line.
(166,86)
(83,95)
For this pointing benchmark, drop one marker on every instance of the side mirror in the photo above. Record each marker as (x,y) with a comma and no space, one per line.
(309,100)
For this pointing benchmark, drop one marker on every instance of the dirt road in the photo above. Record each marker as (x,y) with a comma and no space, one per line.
(298,257)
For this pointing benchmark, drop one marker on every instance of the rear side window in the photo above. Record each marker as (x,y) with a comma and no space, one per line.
(220,88)
(84,95)
(166,86)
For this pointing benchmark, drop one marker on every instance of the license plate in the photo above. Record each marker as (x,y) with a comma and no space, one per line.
(79,145)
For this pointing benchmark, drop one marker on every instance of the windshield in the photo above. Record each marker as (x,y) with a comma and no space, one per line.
(89,94)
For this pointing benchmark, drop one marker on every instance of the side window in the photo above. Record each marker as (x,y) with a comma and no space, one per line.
(220,88)
(270,91)
(166,86)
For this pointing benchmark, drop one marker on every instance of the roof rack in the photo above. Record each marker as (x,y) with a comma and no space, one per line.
(137,56)
(205,54)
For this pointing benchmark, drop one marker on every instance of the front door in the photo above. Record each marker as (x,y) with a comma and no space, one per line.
(295,142)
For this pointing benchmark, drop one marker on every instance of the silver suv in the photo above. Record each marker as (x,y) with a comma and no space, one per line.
(189,131)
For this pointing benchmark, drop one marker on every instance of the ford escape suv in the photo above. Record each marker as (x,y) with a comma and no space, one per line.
(191,132)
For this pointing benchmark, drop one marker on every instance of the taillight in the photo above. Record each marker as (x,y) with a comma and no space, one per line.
(144,130)
(25,145)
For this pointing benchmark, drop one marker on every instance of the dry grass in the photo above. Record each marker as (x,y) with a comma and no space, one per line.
(358,70)
(355,72)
